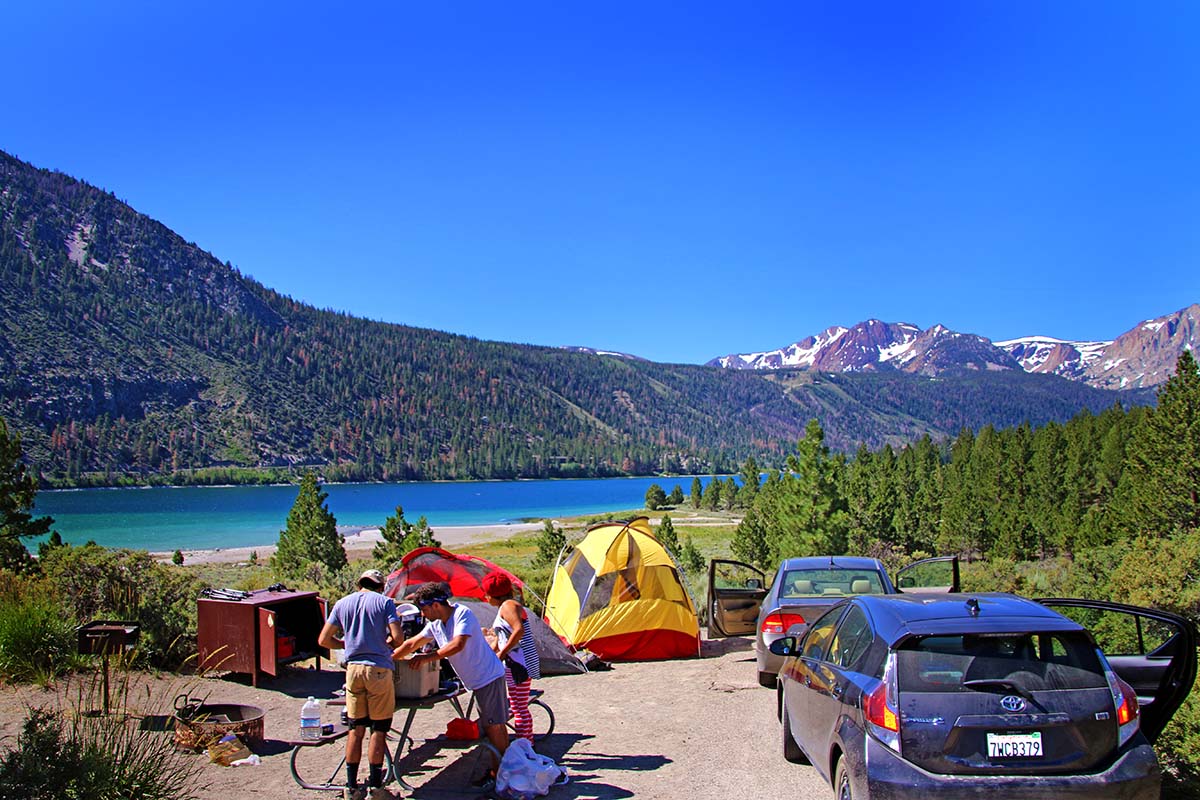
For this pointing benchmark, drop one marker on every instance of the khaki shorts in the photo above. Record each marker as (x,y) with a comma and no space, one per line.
(370,692)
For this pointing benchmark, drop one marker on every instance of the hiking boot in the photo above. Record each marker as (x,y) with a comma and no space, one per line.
(354,793)
(379,793)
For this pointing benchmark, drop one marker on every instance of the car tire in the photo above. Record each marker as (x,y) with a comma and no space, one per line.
(791,751)
(841,782)
(767,679)
(779,702)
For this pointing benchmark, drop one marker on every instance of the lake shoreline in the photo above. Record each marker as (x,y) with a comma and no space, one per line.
(359,542)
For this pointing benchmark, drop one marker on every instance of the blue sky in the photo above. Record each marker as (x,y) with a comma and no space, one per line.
(677,181)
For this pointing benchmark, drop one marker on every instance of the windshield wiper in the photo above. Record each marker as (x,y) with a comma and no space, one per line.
(999,683)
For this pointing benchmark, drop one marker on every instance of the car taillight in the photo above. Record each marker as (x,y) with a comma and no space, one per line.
(877,712)
(777,622)
(1125,699)
(879,708)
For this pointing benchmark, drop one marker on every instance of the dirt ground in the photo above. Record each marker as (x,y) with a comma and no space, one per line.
(696,728)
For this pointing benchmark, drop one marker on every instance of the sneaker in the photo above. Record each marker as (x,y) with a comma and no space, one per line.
(354,793)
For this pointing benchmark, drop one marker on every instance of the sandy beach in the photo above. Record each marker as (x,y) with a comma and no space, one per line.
(359,542)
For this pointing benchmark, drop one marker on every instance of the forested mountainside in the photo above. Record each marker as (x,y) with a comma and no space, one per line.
(128,353)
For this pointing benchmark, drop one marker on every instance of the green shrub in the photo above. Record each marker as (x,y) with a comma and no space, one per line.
(128,584)
(37,635)
(94,757)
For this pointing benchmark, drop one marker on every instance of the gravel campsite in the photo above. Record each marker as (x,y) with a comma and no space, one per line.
(699,728)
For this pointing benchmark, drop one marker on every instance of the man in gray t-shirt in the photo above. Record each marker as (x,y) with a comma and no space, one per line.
(360,624)
(460,641)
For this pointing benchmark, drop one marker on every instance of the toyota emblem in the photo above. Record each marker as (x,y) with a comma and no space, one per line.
(1012,703)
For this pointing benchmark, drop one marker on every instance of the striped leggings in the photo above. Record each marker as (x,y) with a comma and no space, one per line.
(518,701)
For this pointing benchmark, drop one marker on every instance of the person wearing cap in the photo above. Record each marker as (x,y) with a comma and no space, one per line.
(360,623)
(460,640)
(515,648)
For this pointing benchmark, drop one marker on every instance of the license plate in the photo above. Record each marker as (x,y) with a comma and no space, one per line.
(1014,745)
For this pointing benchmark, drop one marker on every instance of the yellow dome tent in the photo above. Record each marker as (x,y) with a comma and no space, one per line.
(619,594)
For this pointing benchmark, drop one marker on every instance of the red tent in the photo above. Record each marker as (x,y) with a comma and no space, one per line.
(464,573)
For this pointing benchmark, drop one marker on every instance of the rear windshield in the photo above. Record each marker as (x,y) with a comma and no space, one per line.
(1029,661)
(819,582)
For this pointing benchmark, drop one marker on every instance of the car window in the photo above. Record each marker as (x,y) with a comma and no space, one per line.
(816,642)
(1031,661)
(852,639)
(1120,633)
(825,582)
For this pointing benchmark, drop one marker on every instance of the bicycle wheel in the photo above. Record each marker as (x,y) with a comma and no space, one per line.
(323,767)
(543,720)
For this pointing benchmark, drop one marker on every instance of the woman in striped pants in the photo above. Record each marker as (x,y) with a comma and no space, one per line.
(515,647)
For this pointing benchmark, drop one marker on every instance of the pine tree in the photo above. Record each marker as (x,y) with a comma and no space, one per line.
(666,535)
(675,498)
(697,494)
(311,534)
(750,478)
(399,537)
(750,541)
(689,557)
(391,548)
(1162,487)
(812,517)
(550,543)
(712,494)
(655,497)
(17,492)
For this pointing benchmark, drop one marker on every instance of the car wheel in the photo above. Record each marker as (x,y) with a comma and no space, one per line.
(791,751)
(779,702)
(767,679)
(841,782)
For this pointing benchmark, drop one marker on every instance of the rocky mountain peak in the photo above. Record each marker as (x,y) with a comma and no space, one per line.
(1142,357)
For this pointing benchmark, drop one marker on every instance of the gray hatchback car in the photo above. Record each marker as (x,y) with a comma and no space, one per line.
(803,589)
(955,696)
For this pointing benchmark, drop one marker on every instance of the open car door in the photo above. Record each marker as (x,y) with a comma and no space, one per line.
(1153,651)
(735,595)
(938,574)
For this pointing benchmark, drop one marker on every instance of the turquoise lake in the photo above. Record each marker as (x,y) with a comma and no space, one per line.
(192,518)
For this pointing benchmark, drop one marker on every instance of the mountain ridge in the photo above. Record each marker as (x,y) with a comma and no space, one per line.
(1142,357)
(130,355)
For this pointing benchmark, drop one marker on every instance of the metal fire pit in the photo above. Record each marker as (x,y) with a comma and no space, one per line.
(199,724)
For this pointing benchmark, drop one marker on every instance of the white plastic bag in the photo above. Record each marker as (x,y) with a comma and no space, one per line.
(524,774)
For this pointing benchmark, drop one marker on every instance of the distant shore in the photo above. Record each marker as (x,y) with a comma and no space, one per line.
(359,542)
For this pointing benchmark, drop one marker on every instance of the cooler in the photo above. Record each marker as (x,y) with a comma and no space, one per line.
(420,682)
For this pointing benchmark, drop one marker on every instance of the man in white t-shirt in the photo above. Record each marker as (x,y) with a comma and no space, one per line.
(459,638)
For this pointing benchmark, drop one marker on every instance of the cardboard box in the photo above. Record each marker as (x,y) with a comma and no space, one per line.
(420,682)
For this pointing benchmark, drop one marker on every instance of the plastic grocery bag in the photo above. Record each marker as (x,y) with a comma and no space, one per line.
(524,774)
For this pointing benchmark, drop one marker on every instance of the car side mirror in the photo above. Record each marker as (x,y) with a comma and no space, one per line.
(784,647)
(753,583)
(908,582)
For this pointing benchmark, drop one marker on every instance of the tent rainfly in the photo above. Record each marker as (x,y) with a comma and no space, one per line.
(619,594)
(465,574)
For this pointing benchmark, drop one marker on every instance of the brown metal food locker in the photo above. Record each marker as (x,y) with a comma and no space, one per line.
(260,633)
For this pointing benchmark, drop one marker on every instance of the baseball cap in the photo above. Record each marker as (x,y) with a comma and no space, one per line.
(374,576)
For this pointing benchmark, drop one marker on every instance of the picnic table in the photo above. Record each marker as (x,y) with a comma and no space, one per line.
(393,755)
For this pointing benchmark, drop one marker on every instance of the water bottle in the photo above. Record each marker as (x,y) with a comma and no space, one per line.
(310,720)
